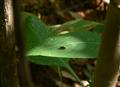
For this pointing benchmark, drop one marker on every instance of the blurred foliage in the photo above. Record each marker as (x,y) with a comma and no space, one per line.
(67,20)
(44,47)
(60,11)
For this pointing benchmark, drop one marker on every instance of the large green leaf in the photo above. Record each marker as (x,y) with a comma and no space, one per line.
(41,41)
(47,49)
(71,45)
(36,33)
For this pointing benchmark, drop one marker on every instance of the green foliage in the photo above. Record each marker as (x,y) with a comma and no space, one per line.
(35,30)
(79,25)
(70,45)
(45,47)
(51,61)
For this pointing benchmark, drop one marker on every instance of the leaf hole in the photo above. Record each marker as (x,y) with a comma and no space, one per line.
(62,48)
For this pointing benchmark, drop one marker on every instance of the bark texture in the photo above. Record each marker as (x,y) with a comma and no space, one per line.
(108,62)
(8,66)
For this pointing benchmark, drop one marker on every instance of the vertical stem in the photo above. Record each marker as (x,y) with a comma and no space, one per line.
(108,62)
(23,65)
(8,65)
(60,76)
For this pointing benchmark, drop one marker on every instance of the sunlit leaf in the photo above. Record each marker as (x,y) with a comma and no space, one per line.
(71,45)
(46,48)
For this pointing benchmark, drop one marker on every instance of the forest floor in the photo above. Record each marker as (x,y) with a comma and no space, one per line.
(54,12)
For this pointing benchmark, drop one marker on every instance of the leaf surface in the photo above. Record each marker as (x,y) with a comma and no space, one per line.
(71,45)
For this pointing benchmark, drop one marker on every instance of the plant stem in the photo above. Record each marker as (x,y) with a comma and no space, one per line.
(108,62)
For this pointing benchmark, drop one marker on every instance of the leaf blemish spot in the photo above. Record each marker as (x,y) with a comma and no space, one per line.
(62,48)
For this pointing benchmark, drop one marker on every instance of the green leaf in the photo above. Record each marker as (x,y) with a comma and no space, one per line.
(79,25)
(51,61)
(47,49)
(71,45)
(36,31)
